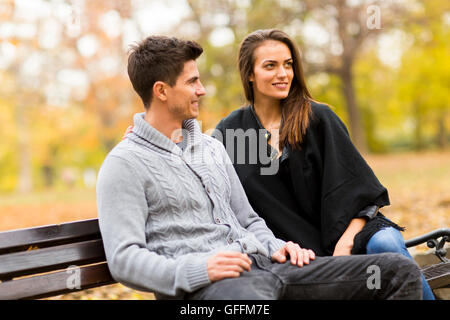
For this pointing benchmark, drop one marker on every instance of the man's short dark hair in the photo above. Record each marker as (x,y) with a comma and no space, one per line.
(159,58)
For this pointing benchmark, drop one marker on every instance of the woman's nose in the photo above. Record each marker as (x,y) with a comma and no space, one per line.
(282,72)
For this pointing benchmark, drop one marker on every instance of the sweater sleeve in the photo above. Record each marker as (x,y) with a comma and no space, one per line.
(245,214)
(123,213)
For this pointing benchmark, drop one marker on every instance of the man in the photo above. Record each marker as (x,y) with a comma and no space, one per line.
(175,219)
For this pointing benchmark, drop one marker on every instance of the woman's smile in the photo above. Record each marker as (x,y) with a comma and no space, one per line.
(281,85)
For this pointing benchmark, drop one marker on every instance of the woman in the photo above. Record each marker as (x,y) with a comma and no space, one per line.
(322,195)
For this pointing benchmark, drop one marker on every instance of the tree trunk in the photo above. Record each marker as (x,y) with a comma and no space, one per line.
(441,137)
(348,89)
(23,148)
(418,132)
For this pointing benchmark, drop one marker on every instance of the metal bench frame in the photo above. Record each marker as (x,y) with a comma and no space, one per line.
(437,275)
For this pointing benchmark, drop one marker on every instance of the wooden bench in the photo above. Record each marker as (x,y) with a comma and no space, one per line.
(35,262)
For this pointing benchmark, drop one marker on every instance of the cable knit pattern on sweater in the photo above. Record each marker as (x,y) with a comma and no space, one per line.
(163,211)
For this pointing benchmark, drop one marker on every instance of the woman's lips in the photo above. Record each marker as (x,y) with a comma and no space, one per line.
(281,85)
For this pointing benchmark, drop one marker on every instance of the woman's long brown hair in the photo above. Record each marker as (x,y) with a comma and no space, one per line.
(296,107)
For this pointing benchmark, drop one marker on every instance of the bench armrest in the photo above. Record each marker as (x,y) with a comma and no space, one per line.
(432,240)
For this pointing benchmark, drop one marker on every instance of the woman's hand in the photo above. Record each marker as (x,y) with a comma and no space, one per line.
(345,244)
(298,255)
(129,129)
(343,247)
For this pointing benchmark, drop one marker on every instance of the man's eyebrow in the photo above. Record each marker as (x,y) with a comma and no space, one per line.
(192,79)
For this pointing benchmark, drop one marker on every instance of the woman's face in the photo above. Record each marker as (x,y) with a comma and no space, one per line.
(273,70)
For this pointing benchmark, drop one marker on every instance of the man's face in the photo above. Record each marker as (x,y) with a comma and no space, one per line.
(183,97)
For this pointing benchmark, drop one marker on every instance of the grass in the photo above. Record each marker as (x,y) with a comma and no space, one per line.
(46,207)
(68,196)
(419,189)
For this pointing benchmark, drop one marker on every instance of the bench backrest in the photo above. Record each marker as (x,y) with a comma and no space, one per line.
(50,260)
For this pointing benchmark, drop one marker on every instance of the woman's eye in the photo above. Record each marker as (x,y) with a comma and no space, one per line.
(270,65)
(289,64)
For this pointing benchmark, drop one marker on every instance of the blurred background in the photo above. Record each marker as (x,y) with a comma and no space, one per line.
(65,97)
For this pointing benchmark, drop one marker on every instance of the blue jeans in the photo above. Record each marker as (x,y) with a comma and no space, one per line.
(391,240)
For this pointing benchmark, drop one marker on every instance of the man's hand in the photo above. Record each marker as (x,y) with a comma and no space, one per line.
(228,264)
(297,255)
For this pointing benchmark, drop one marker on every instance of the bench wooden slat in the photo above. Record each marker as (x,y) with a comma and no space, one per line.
(48,259)
(53,284)
(437,275)
(19,240)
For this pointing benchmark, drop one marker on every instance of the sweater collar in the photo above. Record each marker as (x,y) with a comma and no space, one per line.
(190,129)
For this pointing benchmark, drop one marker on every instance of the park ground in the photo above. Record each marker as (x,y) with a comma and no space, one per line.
(418,184)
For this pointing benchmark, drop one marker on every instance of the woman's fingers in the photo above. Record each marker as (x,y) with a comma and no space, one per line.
(279,257)
(298,256)
(306,256)
(295,253)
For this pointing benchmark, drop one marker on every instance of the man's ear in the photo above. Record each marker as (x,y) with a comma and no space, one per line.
(160,90)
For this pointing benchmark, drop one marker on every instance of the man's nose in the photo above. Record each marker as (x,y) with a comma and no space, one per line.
(201,91)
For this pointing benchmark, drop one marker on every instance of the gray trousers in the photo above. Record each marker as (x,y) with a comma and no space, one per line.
(375,276)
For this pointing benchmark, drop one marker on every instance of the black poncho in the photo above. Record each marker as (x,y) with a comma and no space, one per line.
(307,196)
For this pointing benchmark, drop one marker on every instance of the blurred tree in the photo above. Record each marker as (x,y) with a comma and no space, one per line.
(110,95)
(8,132)
(69,55)
(424,77)
(346,27)
(65,98)
(335,35)
(331,33)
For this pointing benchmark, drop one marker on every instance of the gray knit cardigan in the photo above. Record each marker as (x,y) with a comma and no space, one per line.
(164,211)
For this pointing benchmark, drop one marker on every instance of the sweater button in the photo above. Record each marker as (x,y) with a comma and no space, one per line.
(217,220)
(230,240)
(244,246)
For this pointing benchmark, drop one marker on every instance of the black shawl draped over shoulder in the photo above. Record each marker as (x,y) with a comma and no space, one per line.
(330,181)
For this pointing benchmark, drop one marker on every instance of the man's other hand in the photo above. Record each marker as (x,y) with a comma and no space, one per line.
(227,264)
